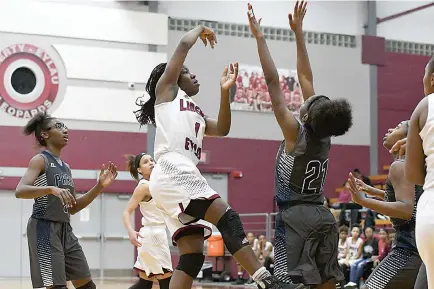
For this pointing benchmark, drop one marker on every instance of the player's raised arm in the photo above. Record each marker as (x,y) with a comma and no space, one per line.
(222,125)
(304,71)
(287,122)
(166,88)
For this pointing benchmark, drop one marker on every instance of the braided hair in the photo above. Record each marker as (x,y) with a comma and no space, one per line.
(146,113)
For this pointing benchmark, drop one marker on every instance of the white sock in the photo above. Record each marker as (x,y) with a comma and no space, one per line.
(259,275)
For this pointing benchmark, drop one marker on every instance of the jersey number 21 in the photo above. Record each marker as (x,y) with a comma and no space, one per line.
(315,175)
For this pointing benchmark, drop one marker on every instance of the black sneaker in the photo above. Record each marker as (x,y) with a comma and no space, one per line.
(271,282)
(239,281)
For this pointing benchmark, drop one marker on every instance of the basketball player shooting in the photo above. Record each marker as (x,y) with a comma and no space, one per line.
(308,229)
(176,183)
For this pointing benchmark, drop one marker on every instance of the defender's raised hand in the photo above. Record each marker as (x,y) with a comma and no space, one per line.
(255,25)
(107,175)
(296,18)
(229,76)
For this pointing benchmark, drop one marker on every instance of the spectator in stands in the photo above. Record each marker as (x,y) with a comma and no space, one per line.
(265,253)
(354,252)
(255,246)
(362,177)
(369,253)
(266,102)
(384,246)
(342,245)
(344,195)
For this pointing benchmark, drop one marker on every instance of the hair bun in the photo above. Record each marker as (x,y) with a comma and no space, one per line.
(37,120)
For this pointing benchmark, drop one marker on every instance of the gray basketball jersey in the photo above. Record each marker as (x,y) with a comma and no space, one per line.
(57,174)
(300,174)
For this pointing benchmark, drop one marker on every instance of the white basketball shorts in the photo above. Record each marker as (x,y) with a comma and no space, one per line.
(154,254)
(174,182)
(425,233)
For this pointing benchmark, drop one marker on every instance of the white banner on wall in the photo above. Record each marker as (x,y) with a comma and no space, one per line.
(251,92)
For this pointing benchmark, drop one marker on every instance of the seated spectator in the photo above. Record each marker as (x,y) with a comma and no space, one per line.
(342,244)
(344,195)
(362,177)
(369,253)
(384,246)
(354,252)
(265,253)
(255,246)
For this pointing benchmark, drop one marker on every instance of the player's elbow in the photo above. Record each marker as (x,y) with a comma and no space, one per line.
(19,192)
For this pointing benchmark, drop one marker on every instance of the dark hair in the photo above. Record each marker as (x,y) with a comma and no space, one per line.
(343,229)
(368,227)
(146,113)
(330,117)
(355,226)
(357,171)
(36,125)
(133,163)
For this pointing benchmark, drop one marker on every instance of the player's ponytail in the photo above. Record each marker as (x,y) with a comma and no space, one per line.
(146,113)
(36,125)
(133,163)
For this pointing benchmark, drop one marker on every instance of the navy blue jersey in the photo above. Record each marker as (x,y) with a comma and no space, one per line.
(57,174)
(300,174)
(405,229)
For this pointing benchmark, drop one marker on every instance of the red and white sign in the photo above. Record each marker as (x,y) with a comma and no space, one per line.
(30,81)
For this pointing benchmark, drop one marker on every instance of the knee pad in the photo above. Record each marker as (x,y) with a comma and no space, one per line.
(142,284)
(191,264)
(232,231)
(59,287)
(88,285)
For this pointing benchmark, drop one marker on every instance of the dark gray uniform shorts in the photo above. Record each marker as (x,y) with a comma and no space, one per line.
(55,254)
(397,271)
(312,237)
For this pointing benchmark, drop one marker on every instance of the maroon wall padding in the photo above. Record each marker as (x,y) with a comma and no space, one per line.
(400,88)
(253,192)
(373,50)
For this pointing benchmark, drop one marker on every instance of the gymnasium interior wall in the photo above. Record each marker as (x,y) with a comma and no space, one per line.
(98,63)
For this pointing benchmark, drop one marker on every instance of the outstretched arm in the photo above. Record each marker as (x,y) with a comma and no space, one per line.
(287,122)
(304,71)
(402,208)
(141,193)
(222,125)
(167,87)
(415,160)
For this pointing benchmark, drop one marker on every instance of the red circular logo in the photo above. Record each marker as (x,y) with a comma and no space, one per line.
(29,80)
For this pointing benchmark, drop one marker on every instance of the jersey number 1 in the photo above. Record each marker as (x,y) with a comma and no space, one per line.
(315,172)
(197,127)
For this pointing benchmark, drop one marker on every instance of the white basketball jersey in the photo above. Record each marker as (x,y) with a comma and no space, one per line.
(150,212)
(427,136)
(180,128)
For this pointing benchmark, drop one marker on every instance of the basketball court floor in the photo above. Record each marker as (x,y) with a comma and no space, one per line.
(113,284)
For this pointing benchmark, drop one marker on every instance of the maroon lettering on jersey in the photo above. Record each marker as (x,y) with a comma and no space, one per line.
(190,106)
(190,145)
